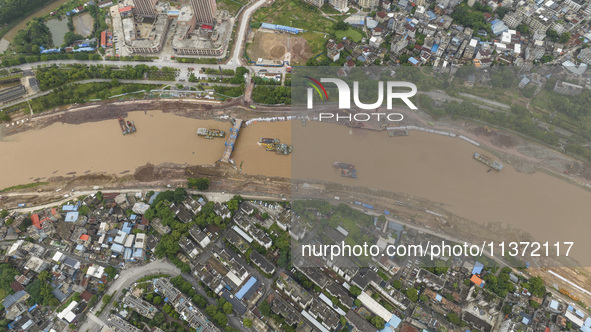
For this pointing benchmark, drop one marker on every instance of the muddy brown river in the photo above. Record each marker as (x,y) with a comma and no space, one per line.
(435,167)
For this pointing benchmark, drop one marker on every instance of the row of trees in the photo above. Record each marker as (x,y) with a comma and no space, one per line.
(198,183)
(54,76)
(272,95)
(72,94)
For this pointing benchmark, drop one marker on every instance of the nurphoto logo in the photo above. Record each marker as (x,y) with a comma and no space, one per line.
(344,90)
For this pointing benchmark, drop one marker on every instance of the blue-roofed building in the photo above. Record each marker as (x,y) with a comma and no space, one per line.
(282,28)
(138,253)
(588,322)
(434,48)
(69,208)
(392,324)
(71,216)
(526,318)
(413,61)
(432,15)
(579,313)
(117,248)
(477,269)
(570,308)
(554,304)
(84,49)
(498,27)
(126,228)
(127,254)
(438,297)
(249,284)
(13,298)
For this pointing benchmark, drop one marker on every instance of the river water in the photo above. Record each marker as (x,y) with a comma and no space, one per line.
(442,169)
(435,167)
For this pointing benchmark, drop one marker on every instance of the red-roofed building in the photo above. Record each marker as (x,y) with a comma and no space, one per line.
(16,286)
(475,279)
(86,295)
(125,11)
(104,39)
(84,237)
(381,17)
(206,27)
(36,221)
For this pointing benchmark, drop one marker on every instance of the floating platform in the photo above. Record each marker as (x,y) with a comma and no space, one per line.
(274,144)
(127,127)
(211,133)
(398,132)
(494,164)
(347,170)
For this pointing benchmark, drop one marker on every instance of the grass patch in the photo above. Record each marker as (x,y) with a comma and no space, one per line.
(25,186)
(2,294)
(328,9)
(232,6)
(294,13)
(316,41)
(351,33)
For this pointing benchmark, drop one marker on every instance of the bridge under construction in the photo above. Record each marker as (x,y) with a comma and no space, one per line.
(231,141)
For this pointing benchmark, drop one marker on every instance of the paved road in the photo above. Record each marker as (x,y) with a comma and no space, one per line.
(126,279)
(241,33)
(219,196)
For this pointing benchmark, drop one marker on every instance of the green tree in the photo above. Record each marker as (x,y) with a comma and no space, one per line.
(423,298)
(227,307)
(158,319)
(157,300)
(198,183)
(397,284)
(453,318)
(412,294)
(378,322)
(265,309)
(247,322)
(565,37)
(355,291)
(340,25)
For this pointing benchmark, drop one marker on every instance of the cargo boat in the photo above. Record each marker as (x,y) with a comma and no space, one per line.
(398,132)
(211,133)
(347,170)
(274,144)
(488,161)
(264,140)
(127,127)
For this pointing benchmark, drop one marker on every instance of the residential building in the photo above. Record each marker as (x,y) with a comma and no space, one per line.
(145,7)
(204,11)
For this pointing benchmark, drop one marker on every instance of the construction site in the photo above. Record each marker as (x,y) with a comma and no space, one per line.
(276,46)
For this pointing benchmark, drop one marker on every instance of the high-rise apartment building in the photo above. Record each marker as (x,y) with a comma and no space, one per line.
(145,7)
(204,11)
